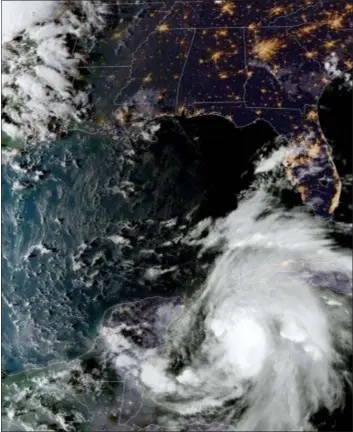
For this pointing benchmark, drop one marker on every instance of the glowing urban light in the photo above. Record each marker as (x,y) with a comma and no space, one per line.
(311,115)
(307,29)
(223,75)
(147,78)
(277,10)
(163,28)
(216,56)
(329,44)
(266,49)
(227,9)
(336,22)
(310,54)
(222,32)
(252,26)
(348,64)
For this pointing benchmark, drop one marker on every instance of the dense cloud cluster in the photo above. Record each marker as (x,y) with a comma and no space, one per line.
(40,71)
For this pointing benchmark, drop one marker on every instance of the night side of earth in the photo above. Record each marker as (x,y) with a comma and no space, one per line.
(245,61)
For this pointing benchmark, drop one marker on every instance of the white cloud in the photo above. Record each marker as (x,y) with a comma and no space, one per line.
(39,98)
(20,15)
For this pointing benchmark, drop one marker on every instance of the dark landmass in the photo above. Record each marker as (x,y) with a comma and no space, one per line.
(245,61)
(259,57)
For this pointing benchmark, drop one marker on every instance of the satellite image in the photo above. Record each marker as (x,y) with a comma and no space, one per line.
(176,215)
